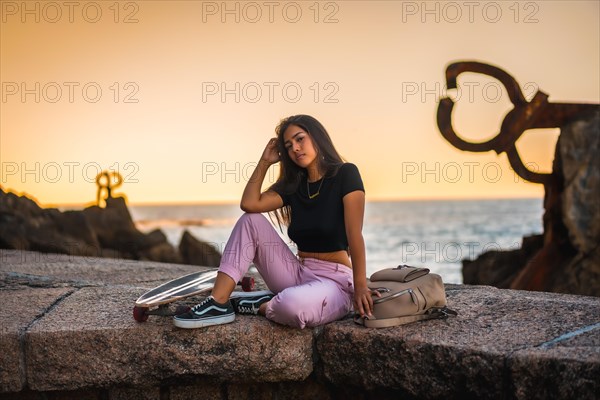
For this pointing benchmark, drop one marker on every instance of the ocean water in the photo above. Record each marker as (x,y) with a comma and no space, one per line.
(436,234)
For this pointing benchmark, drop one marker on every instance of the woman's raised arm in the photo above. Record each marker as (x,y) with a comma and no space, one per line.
(253,201)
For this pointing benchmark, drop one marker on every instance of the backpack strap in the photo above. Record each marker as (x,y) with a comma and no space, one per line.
(433,313)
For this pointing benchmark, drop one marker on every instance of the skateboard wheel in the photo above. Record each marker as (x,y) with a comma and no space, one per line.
(140,314)
(247,284)
(182,310)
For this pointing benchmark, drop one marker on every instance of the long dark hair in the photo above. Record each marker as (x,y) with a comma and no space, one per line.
(290,174)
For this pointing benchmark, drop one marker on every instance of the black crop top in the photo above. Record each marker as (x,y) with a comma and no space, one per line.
(317,224)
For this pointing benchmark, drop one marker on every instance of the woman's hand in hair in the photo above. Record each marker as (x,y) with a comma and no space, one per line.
(253,201)
(271,153)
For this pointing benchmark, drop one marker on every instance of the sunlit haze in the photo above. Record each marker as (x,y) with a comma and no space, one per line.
(181,97)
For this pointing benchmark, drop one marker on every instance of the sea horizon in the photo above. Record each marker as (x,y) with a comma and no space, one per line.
(75,206)
(438,234)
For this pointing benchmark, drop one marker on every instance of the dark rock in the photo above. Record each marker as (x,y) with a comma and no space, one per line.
(13,234)
(26,226)
(569,259)
(579,147)
(196,252)
(114,227)
(116,230)
(106,232)
(145,393)
(162,252)
(154,238)
(21,205)
(499,268)
(74,223)
(307,389)
(205,390)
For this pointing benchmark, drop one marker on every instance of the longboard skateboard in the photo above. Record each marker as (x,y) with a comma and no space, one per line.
(188,285)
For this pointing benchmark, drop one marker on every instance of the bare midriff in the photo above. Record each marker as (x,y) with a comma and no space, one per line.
(338,257)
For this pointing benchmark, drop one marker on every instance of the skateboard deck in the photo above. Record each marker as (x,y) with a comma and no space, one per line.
(188,285)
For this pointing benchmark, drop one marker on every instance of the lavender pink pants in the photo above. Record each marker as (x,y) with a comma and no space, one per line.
(309,292)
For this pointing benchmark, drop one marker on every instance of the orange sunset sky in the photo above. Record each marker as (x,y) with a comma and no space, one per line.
(181,97)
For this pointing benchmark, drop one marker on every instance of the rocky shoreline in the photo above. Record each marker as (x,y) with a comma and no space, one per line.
(99,232)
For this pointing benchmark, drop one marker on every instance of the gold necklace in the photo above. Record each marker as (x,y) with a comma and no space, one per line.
(312,196)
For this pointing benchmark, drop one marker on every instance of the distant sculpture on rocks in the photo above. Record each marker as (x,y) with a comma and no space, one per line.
(102,230)
(566,258)
(106,182)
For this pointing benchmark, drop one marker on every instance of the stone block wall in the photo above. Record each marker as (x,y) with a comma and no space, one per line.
(68,333)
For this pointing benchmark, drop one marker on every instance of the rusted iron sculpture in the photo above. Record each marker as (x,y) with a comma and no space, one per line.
(107,181)
(557,253)
(537,113)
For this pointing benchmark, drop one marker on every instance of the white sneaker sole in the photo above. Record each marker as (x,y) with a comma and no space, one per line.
(202,323)
(236,295)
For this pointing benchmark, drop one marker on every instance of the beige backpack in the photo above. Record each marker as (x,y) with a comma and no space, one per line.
(408,294)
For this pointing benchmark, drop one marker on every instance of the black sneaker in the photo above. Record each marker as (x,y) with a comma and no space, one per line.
(249,302)
(207,313)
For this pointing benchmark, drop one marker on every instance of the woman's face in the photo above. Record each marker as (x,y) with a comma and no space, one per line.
(299,146)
